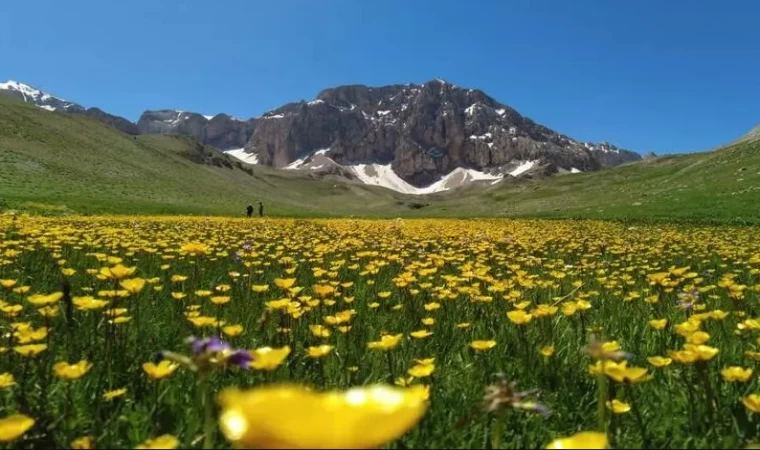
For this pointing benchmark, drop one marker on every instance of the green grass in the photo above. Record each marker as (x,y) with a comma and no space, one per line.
(505,262)
(52,163)
(720,186)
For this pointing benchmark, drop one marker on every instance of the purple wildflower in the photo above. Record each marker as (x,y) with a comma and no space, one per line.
(240,358)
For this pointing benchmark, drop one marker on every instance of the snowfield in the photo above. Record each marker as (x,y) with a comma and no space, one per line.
(383,175)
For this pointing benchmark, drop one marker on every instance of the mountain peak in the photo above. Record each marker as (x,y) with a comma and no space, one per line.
(30,94)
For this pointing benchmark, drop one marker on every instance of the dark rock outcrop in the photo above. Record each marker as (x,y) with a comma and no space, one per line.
(225,132)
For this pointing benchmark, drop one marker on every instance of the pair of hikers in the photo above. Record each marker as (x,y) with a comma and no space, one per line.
(249,210)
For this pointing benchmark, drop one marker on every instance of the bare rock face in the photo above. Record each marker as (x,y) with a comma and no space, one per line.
(424,131)
(221,131)
(609,156)
(167,121)
(225,132)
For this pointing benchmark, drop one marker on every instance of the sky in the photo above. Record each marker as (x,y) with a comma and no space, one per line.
(648,75)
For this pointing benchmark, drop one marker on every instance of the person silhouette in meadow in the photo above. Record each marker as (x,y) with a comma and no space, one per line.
(261,209)
(249,210)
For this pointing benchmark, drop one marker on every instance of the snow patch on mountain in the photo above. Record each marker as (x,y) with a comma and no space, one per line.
(242,155)
(522,168)
(33,94)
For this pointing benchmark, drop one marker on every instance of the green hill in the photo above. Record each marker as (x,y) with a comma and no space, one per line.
(721,185)
(56,162)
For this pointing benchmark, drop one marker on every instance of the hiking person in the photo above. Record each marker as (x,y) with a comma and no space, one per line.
(249,210)
(261,209)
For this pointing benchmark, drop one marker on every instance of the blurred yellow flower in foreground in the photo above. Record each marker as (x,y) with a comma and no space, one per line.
(30,350)
(116,393)
(133,285)
(284,283)
(295,417)
(14,426)
(421,370)
(166,441)
(117,272)
(386,342)
(483,345)
(319,351)
(83,443)
(195,248)
(752,402)
(7,284)
(233,330)
(268,358)
(160,370)
(547,351)
(659,361)
(734,374)
(618,407)
(45,299)
(66,371)
(584,439)
(6,380)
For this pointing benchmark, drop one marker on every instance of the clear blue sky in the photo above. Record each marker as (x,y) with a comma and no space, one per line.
(668,76)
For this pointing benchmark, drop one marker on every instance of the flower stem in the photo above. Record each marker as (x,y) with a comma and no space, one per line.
(208,411)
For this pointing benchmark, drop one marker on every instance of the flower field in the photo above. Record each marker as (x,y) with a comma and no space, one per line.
(190,332)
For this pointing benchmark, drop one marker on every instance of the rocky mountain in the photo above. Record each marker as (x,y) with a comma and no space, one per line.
(49,102)
(221,131)
(411,138)
(35,96)
(424,132)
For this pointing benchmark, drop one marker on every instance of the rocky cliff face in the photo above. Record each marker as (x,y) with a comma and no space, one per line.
(221,131)
(424,131)
(609,156)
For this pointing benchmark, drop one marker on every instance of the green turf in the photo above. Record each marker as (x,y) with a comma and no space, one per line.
(55,163)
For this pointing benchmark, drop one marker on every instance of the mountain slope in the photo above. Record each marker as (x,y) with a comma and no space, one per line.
(72,162)
(753,135)
(34,96)
(720,185)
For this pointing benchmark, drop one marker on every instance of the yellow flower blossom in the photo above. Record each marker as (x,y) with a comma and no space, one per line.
(294,417)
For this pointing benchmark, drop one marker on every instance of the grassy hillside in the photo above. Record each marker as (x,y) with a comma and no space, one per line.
(722,185)
(59,162)
(56,162)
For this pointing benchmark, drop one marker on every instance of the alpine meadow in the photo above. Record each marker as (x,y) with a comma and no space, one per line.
(556,246)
